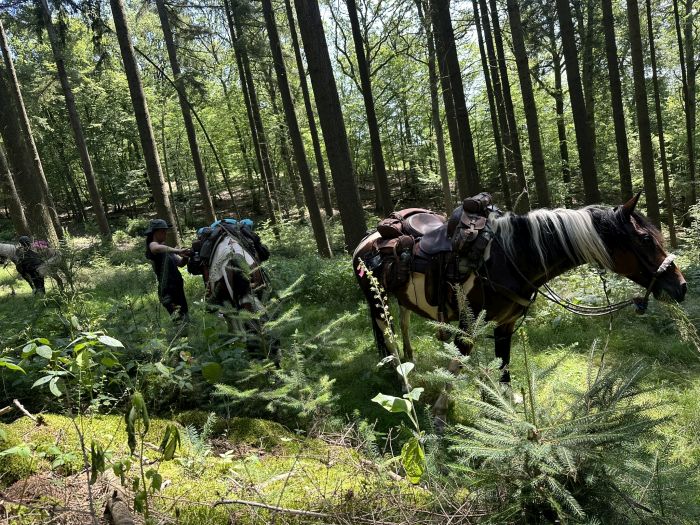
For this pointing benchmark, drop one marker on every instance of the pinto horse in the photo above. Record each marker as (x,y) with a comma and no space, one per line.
(526,252)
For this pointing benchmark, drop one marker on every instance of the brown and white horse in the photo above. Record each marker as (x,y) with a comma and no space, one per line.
(526,252)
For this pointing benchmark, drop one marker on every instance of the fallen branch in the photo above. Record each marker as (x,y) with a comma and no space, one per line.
(5,410)
(275,508)
(26,412)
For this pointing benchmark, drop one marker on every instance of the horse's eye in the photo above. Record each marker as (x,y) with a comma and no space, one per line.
(647,239)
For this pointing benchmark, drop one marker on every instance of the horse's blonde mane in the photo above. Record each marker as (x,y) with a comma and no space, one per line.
(573,229)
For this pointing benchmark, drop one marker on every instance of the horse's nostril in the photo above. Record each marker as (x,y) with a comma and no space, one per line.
(684,288)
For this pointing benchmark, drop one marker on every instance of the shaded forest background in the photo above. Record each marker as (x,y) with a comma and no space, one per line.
(192,109)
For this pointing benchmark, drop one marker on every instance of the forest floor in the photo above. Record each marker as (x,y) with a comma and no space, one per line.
(317,448)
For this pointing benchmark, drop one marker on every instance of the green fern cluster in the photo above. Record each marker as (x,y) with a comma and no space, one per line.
(565,460)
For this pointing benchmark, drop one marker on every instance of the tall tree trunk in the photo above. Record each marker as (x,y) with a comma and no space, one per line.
(443,25)
(688,97)
(660,129)
(435,109)
(448,102)
(324,248)
(143,120)
(253,111)
(330,116)
(508,106)
(587,65)
(164,145)
(16,94)
(493,74)
(623,158)
(313,130)
(691,74)
(76,125)
(386,205)
(28,187)
(503,177)
(209,213)
(559,109)
(533,123)
(578,105)
(640,99)
(19,221)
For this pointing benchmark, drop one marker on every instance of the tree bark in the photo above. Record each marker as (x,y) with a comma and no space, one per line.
(332,124)
(578,105)
(516,152)
(253,112)
(559,109)
(143,120)
(643,124)
(623,159)
(57,232)
(209,213)
(448,102)
(442,20)
(435,109)
(76,125)
(691,75)
(19,221)
(313,130)
(386,205)
(533,123)
(319,229)
(660,129)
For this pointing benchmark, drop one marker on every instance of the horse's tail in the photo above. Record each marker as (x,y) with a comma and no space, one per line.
(365,285)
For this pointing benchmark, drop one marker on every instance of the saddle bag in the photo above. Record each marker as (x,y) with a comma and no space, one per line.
(395,266)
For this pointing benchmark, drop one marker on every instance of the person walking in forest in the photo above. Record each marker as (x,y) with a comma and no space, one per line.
(166,260)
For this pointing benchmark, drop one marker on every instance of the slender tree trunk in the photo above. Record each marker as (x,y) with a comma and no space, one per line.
(508,105)
(76,125)
(533,123)
(448,102)
(660,129)
(143,120)
(164,145)
(209,213)
(640,99)
(503,177)
(691,74)
(386,205)
(322,244)
(561,123)
(19,221)
(588,66)
(578,105)
(253,111)
(443,25)
(313,130)
(688,97)
(492,72)
(332,124)
(435,109)
(623,159)
(26,128)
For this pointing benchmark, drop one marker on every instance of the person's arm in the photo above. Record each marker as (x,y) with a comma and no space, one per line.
(156,247)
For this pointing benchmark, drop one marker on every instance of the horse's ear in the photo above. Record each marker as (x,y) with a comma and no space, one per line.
(627,208)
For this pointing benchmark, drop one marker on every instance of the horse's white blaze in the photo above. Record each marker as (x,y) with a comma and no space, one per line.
(574,229)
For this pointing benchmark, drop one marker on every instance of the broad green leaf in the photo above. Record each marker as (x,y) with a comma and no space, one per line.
(28,349)
(156,479)
(163,369)
(83,359)
(404,369)
(110,341)
(109,361)
(54,387)
(212,372)
(140,500)
(22,450)
(97,461)
(413,460)
(42,341)
(171,440)
(42,380)
(393,404)
(11,366)
(44,351)
(414,394)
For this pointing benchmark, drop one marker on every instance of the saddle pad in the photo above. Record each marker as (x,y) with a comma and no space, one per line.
(225,250)
(435,241)
(423,223)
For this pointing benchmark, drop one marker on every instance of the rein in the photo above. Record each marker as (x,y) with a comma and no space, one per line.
(640,303)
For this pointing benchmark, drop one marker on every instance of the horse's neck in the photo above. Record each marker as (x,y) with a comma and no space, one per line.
(528,263)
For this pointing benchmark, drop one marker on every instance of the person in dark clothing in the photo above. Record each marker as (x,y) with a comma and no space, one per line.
(166,260)
(27,263)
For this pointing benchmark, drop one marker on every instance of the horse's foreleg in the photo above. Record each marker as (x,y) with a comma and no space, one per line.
(503,335)
(405,322)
